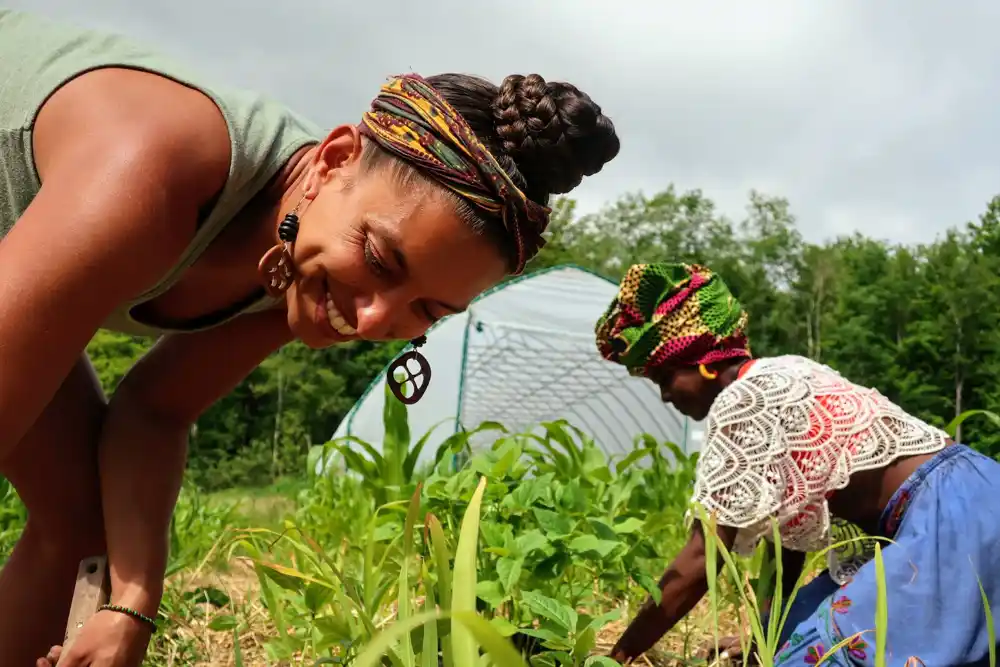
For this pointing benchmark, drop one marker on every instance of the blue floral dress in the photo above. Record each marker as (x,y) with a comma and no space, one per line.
(944,523)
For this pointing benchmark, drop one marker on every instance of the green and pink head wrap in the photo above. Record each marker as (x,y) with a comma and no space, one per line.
(672,315)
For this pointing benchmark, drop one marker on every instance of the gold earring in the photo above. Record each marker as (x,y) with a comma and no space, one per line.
(707,374)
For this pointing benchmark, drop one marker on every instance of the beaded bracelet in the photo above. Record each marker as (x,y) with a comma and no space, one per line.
(129,612)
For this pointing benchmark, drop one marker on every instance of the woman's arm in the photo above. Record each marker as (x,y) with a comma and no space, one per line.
(683,584)
(122,182)
(144,443)
(792,564)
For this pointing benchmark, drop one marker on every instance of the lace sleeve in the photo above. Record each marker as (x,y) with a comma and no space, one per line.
(739,475)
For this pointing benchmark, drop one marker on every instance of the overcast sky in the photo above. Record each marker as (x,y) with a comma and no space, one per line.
(872,116)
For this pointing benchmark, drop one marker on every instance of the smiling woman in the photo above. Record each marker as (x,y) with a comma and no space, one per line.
(136,196)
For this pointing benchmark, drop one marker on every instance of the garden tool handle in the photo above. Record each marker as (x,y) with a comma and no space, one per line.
(93,589)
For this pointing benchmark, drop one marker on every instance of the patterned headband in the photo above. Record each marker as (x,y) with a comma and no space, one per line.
(410,120)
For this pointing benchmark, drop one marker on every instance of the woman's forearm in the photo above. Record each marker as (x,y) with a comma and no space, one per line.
(142,457)
(682,586)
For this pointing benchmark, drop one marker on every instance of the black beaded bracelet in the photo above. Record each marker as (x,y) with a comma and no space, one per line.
(129,612)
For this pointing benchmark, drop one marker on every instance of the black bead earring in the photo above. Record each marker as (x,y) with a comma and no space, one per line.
(275,269)
(409,376)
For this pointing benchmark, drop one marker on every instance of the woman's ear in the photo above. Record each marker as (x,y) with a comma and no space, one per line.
(336,160)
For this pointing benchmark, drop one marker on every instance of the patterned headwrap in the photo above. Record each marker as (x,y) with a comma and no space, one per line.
(672,315)
(412,121)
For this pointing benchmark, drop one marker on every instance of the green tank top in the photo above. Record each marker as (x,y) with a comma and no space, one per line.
(38,56)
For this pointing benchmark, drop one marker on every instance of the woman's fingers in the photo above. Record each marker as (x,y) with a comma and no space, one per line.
(51,658)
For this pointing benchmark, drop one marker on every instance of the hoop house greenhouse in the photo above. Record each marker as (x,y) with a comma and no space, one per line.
(523,354)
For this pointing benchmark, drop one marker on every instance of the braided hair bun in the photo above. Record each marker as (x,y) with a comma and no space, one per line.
(554,133)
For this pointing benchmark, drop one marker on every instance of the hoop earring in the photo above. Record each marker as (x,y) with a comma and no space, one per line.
(275,269)
(409,376)
(707,374)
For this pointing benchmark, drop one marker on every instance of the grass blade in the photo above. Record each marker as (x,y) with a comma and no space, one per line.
(463,596)
(404,610)
(382,642)
(442,563)
(881,608)
(990,627)
(429,653)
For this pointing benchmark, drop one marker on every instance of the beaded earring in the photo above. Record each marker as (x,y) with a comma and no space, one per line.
(275,269)
(409,376)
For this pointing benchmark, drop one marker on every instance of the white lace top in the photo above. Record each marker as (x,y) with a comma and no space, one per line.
(783,437)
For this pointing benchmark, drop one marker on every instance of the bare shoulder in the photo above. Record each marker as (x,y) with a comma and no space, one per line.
(172,137)
(127,162)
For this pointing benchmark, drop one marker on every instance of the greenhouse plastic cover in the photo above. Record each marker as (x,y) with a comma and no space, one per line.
(523,354)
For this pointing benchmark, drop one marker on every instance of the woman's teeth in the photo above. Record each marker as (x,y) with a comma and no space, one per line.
(337,320)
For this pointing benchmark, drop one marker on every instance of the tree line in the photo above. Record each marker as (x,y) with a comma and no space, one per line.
(917,322)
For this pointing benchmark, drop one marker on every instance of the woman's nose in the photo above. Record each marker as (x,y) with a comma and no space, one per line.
(374,313)
(387,316)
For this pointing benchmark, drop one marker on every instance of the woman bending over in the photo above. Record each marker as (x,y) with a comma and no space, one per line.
(792,440)
(137,196)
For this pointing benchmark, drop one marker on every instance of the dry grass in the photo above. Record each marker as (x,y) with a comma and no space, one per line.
(215,648)
(681,647)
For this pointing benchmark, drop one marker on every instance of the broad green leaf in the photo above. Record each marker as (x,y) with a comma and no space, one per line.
(558,612)
(531,541)
(491,592)
(584,644)
(593,544)
(509,572)
(552,523)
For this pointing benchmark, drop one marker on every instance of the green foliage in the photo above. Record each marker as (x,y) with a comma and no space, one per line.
(560,538)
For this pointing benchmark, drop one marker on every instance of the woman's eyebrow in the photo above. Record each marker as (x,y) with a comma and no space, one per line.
(385,227)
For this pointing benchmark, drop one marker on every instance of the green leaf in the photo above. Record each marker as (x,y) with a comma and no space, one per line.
(531,541)
(629,526)
(551,638)
(482,633)
(593,544)
(552,523)
(503,626)
(603,530)
(463,597)
(316,596)
(585,642)
(490,592)
(559,613)
(630,460)
(599,622)
(509,571)
(223,622)
(289,578)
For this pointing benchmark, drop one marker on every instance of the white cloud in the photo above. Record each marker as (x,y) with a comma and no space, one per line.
(879,117)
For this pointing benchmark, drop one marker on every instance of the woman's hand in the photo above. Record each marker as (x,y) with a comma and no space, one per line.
(108,639)
(730,649)
(641,635)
